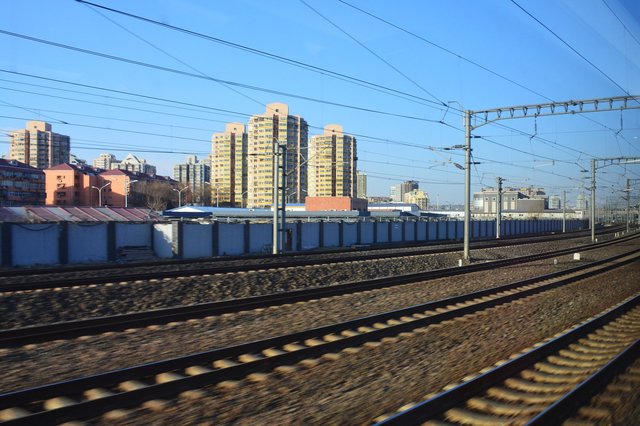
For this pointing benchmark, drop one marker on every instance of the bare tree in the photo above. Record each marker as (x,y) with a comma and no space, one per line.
(155,195)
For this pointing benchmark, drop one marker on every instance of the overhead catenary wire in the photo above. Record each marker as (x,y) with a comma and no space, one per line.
(213,79)
(474,63)
(280,58)
(389,64)
(574,50)
(621,23)
(444,49)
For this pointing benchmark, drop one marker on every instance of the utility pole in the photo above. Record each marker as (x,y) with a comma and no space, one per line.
(592,221)
(279,194)
(499,181)
(467,182)
(628,190)
(564,211)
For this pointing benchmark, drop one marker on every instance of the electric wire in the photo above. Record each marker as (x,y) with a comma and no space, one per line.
(571,48)
(296,63)
(389,64)
(213,79)
(444,49)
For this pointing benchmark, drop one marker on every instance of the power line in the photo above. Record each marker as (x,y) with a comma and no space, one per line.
(213,79)
(279,58)
(444,49)
(358,135)
(373,53)
(571,47)
(620,20)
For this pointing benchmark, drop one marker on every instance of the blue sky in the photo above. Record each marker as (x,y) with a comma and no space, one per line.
(544,152)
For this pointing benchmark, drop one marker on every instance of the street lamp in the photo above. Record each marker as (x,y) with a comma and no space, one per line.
(179,191)
(100,192)
(126,191)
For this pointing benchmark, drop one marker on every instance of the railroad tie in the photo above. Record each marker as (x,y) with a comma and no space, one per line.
(13,413)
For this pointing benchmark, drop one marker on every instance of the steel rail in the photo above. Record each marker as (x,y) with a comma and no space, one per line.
(92,326)
(437,405)
(269,262)
(335,338)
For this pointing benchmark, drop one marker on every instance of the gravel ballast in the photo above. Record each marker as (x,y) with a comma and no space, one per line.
(21,309)
(53,361)
(356,388)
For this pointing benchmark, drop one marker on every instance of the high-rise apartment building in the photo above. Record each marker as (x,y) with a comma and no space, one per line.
(361,184)
(276,126)
(332,164)
(229,166)
(407,186)
(134,164)
(104,161)
(194,174)
(417,197)
(38,146)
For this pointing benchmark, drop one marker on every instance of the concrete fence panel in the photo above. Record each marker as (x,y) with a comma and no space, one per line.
(133,234)
(231,239)
(87,242)
(163,240)
(261,238)
(349,234)
(432,231)
(196,240)
(396,231)
(366,232)
(310,235)
(382,232)
(331,234)
(35,244)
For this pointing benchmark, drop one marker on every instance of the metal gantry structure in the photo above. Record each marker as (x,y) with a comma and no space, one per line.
(600,163)
(484,117)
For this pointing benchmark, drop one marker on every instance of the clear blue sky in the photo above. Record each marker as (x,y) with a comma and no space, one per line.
(495,34)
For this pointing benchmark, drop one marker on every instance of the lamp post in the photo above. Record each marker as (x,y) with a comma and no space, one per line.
(179,191)
(126,191)
(100,192)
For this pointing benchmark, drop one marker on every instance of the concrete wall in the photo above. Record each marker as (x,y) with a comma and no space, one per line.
(163,240)
(198,241)
(87,242)
(62,243)
(34,244)
(261,240)
(133,234)
(230,238)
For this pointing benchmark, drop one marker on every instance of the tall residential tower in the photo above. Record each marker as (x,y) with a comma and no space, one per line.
(229,166)
(38,146)
(332,164)
(265,130)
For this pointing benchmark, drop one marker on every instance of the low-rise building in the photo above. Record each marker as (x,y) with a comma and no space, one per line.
(70,185)
(335,204)
(21,184)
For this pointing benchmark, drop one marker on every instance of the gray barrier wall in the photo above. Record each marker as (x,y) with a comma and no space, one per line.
(63,243)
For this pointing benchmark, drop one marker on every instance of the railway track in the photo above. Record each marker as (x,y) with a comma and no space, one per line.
(548,384)
(72,329)
(147,384)
(51,278)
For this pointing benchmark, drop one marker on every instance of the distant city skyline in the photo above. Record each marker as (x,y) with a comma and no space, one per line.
(395,77)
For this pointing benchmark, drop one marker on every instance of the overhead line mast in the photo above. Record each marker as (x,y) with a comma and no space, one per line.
(613,103)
